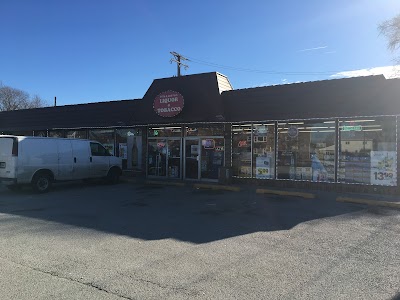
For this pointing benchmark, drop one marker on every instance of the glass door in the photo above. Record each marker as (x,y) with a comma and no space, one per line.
(212,157)
(192,158)
(174,158)
(157,154)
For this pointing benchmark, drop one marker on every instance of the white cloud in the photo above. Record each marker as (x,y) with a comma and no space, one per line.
(388,72)
(313,49)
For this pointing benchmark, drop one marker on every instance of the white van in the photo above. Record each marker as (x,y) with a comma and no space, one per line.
(40,161)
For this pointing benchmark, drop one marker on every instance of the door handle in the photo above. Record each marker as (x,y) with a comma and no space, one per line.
(74,159)
(90,159)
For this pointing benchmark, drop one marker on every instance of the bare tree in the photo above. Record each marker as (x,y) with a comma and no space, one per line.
(14,99)
(391,30)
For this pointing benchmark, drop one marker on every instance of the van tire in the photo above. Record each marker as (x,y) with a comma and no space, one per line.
(41,182)
(113,176)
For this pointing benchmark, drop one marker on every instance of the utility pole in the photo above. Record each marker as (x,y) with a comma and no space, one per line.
(178,59)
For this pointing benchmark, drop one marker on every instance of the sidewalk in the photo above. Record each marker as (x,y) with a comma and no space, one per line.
(358,198)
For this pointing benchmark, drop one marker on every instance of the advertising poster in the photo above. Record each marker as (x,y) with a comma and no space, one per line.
(123,150)
(194,149)
(263,167)
(384,168)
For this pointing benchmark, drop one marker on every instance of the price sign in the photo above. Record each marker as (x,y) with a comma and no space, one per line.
(384,168)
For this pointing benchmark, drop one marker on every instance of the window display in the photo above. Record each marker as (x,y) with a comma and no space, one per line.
(241,150)
(56,133)
(76,134)
(129,147)
(306,150)
(205,130)
(165,131)
(368,151)
(264,151)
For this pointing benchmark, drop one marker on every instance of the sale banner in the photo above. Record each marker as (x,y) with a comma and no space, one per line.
(384,168)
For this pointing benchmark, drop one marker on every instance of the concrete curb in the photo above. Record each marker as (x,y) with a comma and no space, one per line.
(129,180)
(155,182)
(286,193)
(369,202)
(216,187)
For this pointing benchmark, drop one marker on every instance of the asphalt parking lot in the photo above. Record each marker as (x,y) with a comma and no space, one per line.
(135,241)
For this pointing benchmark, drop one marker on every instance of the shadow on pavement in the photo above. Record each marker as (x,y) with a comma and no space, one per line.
(158,212)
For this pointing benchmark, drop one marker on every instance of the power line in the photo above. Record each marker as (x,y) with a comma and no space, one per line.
(272,72)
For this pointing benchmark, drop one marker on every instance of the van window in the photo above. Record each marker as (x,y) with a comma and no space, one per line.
(98,150)
(6,145)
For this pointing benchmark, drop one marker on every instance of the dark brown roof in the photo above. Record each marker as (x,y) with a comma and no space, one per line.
(102,114)
(201,95)
(360,96)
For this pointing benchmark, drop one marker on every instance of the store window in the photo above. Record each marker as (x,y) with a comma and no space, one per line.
(368,152)
(105,137)
(241,150)
(40,133)
(20,133)
(175,131)
(205,130)
(306,150)
(76,134)
(264,151)
(56,133)
(129,147)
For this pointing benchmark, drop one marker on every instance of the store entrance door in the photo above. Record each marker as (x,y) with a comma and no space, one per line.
(192,158)
(164,158)
(203,157)
(157,157)
(212,157)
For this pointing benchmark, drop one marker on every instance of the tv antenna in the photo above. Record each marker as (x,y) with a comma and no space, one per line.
(178,60)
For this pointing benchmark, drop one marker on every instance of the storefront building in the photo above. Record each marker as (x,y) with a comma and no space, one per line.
(333,135)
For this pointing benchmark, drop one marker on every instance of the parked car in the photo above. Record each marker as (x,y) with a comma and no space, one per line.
(41,161)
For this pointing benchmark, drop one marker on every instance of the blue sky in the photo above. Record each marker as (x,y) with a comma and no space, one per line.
(89,51)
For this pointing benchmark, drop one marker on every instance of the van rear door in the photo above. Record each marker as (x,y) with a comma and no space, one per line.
(8,157)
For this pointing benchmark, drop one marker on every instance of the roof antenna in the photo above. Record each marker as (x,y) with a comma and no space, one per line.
(177,58)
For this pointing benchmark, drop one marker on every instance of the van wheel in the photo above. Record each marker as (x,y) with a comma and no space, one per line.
(113,176)
(41,183)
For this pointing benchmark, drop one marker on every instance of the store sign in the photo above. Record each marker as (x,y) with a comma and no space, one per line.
(293,132)
(352,128)
(242,144)
(168,104)
(208,144)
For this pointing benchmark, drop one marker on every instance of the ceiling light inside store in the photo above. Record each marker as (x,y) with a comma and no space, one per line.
(317,127)
(357,121)
(372,129)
